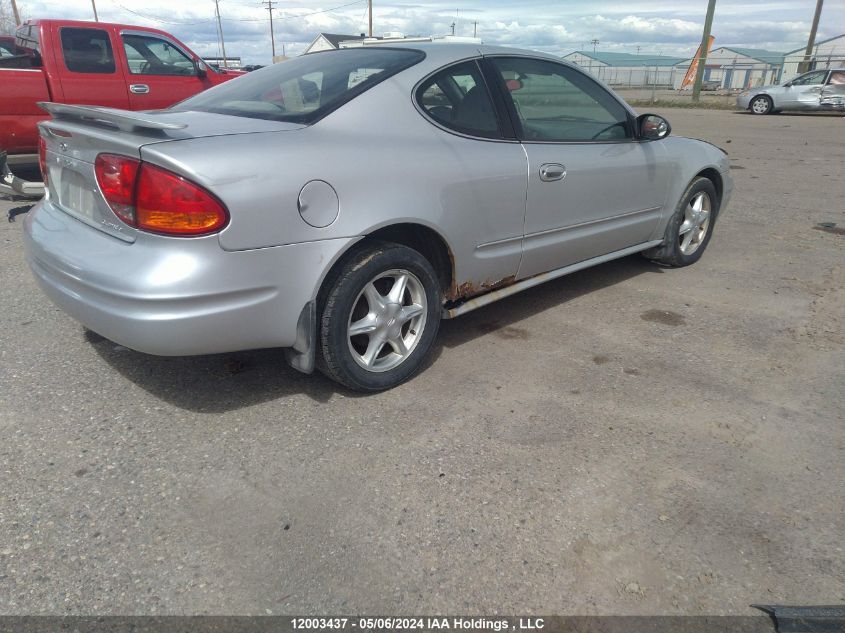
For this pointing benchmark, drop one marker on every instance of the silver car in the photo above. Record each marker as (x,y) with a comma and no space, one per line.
(342,203)
(815,90)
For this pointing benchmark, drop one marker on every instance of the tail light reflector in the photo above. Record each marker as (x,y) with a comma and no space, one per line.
(157,200)
(116,176)
(42,159)
(167,203)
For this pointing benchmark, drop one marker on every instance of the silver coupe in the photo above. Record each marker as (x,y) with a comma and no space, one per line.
(340,204)
(816,90)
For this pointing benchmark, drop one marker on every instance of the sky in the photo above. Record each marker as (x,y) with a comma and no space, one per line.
(646,27)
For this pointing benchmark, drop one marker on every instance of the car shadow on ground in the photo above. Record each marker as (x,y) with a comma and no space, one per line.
(225,382)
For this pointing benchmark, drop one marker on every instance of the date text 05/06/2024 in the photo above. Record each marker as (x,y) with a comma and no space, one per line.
(418,623)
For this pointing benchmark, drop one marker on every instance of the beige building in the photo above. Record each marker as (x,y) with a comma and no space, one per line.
(627,69)
(737,68)
(828,53)
(329,41)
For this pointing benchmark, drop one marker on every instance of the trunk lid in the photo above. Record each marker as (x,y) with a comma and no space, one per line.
(77,134)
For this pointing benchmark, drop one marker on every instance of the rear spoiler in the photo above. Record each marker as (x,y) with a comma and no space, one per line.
(124,120)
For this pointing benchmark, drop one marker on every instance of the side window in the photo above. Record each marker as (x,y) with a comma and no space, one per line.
(87,50)
(151,55)
(457,98)
(837,78)
(810,79)
(557,103)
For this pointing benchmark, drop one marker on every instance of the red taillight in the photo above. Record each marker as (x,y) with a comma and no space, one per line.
(167,203)
(154,199)
(42,159)
(116,176)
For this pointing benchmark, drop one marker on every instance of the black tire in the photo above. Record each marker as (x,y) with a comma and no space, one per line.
(344,302)
(761,104)
(671,251)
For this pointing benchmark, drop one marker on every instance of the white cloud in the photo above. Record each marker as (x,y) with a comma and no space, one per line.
(549,25)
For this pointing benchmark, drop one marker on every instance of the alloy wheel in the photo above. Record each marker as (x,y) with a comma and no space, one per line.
(760,105)
(693,229)
(387,320)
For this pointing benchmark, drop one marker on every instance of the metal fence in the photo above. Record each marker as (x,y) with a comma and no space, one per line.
(720,74)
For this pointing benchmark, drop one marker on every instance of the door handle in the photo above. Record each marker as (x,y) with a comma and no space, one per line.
(552,171)
(139,89)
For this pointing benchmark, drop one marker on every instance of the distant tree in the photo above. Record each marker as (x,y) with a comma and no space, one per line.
(7,17)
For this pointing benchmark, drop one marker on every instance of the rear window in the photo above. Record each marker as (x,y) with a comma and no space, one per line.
(304,89)
(7,48)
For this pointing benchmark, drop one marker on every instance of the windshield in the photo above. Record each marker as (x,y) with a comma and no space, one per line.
(304,89)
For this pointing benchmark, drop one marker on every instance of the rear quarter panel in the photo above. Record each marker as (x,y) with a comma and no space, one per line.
(388,165)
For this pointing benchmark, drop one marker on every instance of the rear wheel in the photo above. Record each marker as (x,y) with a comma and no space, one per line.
(761,105)
(380,317)
(690,228)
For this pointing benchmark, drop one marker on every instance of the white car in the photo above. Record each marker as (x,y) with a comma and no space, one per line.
(816,90)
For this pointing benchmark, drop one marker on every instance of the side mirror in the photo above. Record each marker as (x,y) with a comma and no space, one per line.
(202,70)
(652,127)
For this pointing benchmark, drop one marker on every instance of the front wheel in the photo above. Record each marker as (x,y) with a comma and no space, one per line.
(761,105)
(690,227)
(380,316)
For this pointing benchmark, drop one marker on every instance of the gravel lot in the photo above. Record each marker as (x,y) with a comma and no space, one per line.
(626,440)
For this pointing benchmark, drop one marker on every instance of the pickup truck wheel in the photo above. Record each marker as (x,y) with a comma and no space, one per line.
(690,228)
(761,105)
(380,318)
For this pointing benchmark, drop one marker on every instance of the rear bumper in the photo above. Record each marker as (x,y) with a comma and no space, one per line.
(175,296)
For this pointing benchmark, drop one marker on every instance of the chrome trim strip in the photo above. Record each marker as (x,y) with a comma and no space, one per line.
(566,228)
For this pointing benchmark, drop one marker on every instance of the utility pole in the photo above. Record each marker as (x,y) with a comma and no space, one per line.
(638,49)
(805,65)
(453,29)
(702,55)
(17,15)
(594,42)
(270,8)
(220,31)
(370,9)
(475,29)
(94,6)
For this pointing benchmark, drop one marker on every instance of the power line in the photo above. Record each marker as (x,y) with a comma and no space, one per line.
(805,65)
(220,30)
(225,19)
(705,44)
(270,8)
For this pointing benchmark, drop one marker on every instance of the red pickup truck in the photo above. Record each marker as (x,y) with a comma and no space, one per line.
(91,63)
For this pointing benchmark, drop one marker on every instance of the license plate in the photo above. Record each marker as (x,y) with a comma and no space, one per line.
(75,194)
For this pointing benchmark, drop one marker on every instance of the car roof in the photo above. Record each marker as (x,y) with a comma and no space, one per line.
(91,25)
(443,52)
